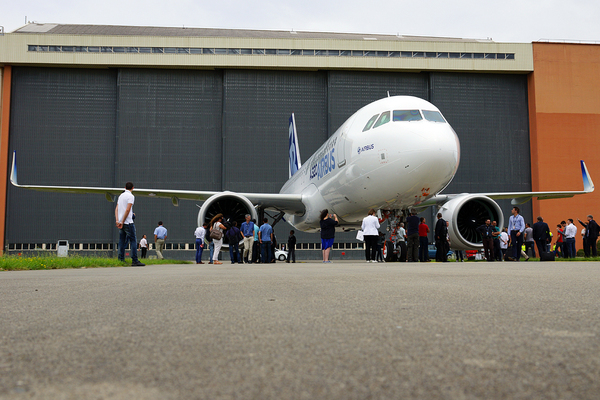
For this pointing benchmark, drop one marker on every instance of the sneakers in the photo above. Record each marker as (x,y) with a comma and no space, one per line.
(138,264)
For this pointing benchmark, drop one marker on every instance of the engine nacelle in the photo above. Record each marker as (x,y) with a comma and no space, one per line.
(233,206)
(467,212)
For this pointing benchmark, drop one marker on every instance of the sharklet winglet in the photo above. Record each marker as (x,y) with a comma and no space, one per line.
(13,170)
(588,185)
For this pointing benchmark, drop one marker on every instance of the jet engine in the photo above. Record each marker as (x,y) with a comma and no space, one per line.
(233,206)
(465,213)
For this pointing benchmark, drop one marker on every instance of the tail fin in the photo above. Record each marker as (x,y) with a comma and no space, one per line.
(293,147)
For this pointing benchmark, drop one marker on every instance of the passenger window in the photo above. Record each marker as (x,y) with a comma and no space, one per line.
(407,115)
(383,119)
(370,123)
(433,116)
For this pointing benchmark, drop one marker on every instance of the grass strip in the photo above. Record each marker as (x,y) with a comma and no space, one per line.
(41,262)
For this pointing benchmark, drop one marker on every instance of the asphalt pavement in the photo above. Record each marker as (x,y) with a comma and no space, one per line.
(347,330)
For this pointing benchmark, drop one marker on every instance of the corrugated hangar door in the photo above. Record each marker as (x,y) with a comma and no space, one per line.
(169,137)
(489,113)
(257,107)
(63,128)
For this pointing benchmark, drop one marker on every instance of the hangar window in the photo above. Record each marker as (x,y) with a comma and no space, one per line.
(383,119)
(433,116)
(370,123)
(407,115)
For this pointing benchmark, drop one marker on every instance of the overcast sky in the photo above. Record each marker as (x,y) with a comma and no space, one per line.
(502,21)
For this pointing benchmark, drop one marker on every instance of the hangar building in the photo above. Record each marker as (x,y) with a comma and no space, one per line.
(207,109)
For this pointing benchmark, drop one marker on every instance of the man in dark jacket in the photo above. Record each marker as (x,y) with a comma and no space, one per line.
(487,232)
(441,238)
(412,236)
(541,235)
(591,236)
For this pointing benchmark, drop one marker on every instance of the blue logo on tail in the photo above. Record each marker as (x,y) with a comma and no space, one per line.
(294,151)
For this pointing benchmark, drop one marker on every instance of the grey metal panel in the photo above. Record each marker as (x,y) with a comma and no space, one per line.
(257,108)
(489,113)
(62,127)
(169,137)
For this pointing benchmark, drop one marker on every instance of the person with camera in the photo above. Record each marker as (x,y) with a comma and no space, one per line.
(216,233)
(328,224)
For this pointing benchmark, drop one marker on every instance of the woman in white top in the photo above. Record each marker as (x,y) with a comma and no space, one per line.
(370,228)
(216,225)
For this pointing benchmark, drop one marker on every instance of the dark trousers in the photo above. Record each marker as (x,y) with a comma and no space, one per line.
(441,254)
(488,248)
(291,254)
(569,248)
(559,249)
(497,250)
(529,245)
(256,251)
(127,237)
(516,243)
(370,247)
(541,246)
(379,252)
(413,248)
(265,248)
(199,248)
(144,251)
(234,252)
(423,250)
(589,246)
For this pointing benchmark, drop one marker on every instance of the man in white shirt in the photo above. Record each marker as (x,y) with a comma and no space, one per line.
(401,241)
(124,221)
(200,233)
(144,246)
(570,233)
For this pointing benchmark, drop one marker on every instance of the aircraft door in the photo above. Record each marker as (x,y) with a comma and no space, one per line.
(341,150)
(343,143)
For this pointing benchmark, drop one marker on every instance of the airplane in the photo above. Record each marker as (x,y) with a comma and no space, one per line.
(393,155)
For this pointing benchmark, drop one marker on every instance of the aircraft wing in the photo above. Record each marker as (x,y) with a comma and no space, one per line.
(521,197)
(289,203)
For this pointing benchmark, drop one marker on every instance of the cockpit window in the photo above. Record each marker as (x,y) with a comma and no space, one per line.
(383,119)
(407,115)
(371,122)
(433,116)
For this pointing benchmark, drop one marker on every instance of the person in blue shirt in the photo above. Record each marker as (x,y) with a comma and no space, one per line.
(160,235)
(256,247)
(516,226)
(265,237)
(247,230)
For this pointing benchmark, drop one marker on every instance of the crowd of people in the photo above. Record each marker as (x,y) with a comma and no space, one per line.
(518,239)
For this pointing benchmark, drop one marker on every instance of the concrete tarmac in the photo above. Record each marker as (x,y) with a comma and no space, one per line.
(347,330)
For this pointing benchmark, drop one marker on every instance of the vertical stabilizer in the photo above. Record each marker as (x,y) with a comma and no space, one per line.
(294,150)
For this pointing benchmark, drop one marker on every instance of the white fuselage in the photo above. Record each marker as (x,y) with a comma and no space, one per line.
(408,154)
